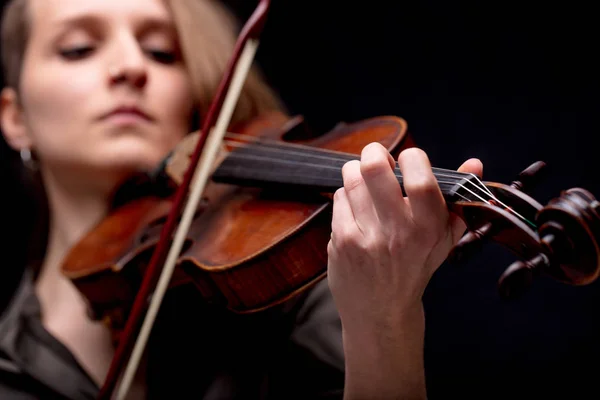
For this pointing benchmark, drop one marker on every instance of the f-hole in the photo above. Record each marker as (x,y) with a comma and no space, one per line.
(153,229)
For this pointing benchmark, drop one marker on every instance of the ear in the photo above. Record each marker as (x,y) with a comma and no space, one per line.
(11,121)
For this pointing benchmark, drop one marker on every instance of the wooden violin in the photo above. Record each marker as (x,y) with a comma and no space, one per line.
(256,225)
(260,235)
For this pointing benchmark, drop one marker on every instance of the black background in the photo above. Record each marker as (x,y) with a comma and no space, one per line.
(507,82)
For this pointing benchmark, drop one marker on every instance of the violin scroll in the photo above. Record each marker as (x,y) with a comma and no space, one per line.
(477,236)
(569,228)
(560,240)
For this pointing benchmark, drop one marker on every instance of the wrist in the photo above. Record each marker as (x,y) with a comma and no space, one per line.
(385,358)
(374,327)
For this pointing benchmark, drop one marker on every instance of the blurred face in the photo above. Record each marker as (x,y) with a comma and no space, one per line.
(103,88)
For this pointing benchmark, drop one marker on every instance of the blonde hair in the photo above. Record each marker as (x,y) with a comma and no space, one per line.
(207,36)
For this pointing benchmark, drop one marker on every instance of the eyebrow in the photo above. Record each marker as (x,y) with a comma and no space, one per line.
(157,24)
(143,24)
(75,21)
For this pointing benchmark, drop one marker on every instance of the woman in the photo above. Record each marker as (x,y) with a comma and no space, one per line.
(98,90)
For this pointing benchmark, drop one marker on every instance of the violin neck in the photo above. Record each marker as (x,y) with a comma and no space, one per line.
(281,165)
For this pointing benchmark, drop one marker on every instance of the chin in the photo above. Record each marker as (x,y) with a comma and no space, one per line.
(138,156)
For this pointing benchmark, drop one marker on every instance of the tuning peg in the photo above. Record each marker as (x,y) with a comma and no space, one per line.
(530,176)
(518,276)
(470,243)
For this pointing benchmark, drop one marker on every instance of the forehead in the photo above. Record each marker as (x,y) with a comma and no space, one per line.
(54,13)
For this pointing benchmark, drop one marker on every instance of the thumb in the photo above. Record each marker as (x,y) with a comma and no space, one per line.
(457,225)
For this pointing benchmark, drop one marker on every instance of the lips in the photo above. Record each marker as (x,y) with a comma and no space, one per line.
(127,112)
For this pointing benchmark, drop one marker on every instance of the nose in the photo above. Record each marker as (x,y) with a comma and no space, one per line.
(129,64)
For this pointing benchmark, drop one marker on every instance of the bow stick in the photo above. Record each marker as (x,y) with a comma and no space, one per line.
(223,104)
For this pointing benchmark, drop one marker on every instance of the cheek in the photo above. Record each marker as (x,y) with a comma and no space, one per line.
(177,100)
(54,102)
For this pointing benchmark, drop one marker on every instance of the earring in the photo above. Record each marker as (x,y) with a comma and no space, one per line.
(28,160)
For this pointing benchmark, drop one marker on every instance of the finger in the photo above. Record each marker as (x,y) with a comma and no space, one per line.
(377,168)
(472,166)
(358,197)
(342,220)
(426,201)
(458,226)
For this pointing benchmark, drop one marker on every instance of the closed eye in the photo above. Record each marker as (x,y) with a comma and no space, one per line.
(76,53)
(162,56)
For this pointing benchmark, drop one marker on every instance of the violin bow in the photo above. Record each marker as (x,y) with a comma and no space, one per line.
(223,105)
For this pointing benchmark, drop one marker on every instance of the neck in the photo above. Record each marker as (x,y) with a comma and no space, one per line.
(74,210)
(277,164)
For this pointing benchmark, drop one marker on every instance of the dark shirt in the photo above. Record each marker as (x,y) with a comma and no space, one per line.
(293,351)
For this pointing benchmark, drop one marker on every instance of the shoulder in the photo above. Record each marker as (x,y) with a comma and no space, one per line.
(33,364)
(16,385)
(13,314)
(14,382)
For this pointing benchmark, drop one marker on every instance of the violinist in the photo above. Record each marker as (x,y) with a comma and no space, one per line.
(98,90)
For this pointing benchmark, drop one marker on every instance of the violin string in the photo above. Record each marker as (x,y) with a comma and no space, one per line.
(347,157)
(398,176)
(271,144)
(485,193)
(483,186)
(303,149)
(279,145)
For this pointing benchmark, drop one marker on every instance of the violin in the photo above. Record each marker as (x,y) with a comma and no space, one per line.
(257,221)
(260,235)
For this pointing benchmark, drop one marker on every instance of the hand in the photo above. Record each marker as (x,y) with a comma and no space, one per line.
(384,248)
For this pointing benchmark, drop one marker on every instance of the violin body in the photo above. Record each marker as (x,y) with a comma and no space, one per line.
(248,248)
